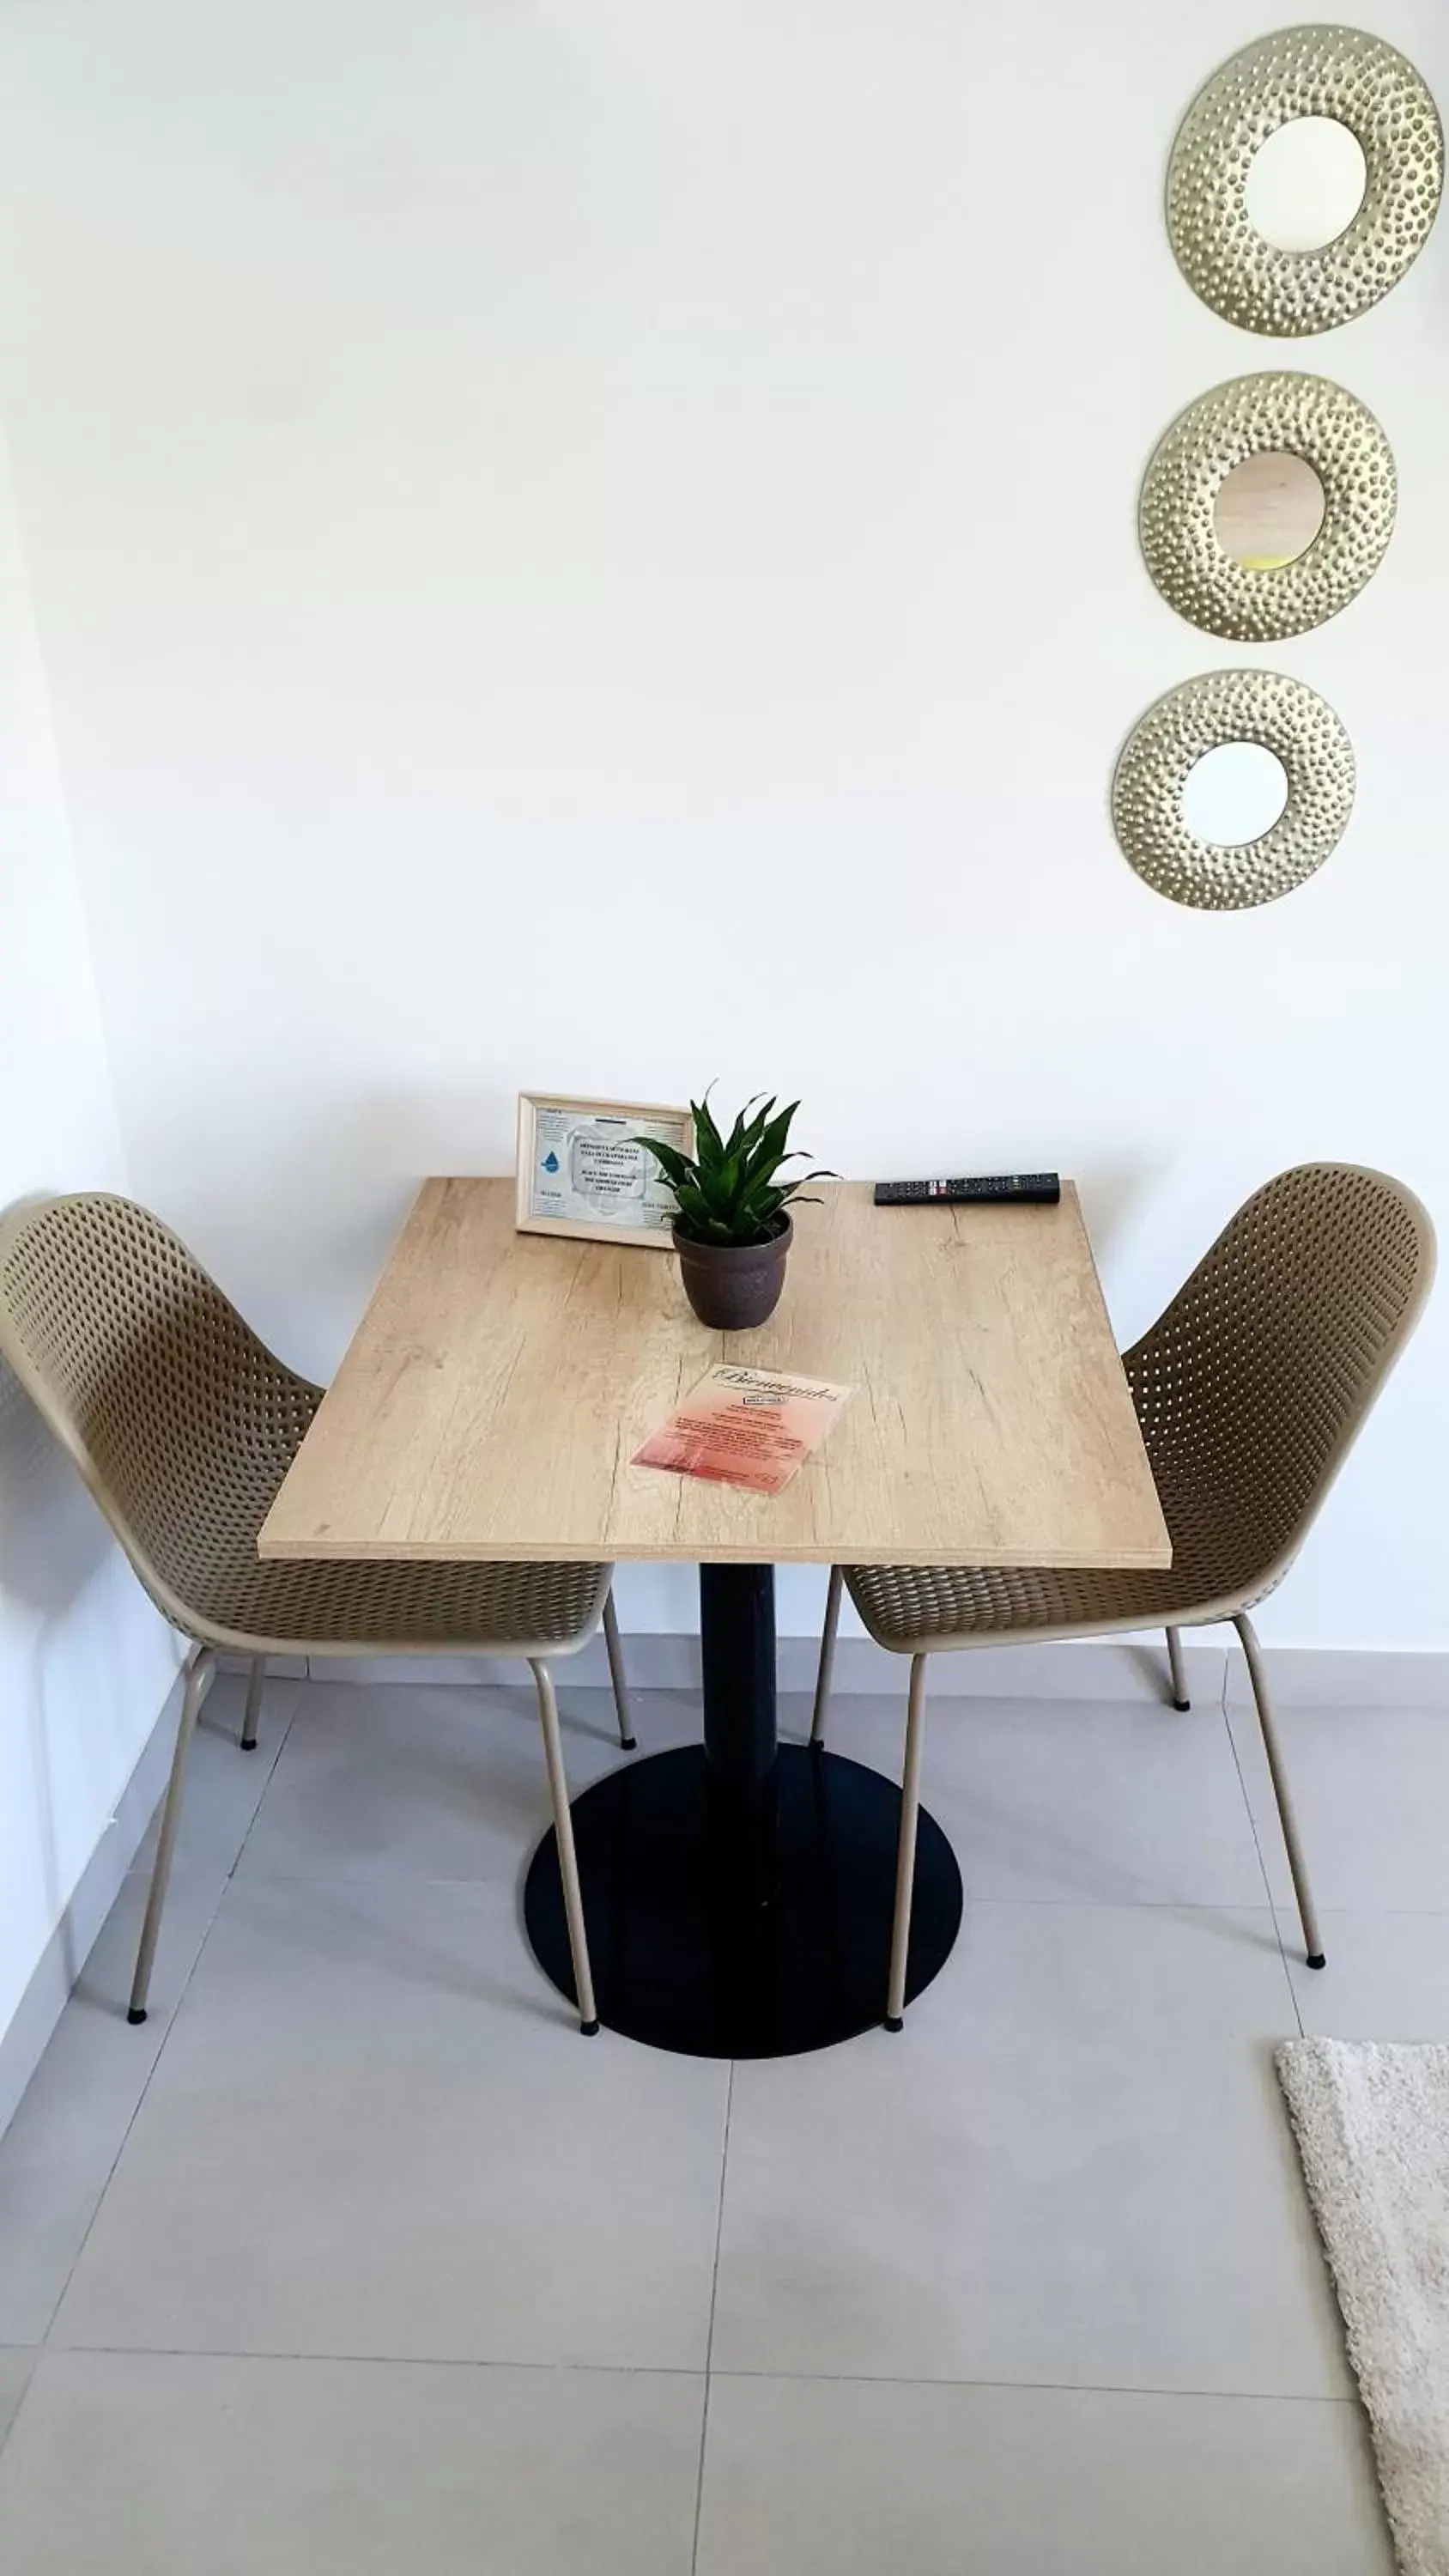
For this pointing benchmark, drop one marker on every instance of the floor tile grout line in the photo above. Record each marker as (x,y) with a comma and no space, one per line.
(371,2360)
(713,2304)
(35,2350)
(364,1880)
(1262,1863)
(297,1689)
(1226,1706)
(185,1989)
(1052,2387)
(680,2370)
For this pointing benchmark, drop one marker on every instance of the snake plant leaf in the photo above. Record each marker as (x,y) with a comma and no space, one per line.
(747,1131)
(677,1166)
(707,1143)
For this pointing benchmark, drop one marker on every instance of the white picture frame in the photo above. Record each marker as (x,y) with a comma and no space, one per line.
(584,1138)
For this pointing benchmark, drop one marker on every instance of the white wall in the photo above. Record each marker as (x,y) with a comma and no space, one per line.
(84,1661)
(593,542)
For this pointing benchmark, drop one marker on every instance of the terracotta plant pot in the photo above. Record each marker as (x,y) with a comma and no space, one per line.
(734,1285)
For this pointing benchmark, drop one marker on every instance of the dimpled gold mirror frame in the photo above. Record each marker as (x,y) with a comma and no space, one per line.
(1324,71)
(1232,706)
(1297,415)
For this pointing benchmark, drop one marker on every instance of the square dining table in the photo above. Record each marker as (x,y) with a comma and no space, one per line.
(738,1892)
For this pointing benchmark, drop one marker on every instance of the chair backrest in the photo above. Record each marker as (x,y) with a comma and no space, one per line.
(1250,1388)
(177,1416)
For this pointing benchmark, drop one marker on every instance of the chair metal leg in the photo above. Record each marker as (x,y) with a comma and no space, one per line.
(256,1680)
(1179,1677)
(1313,1943)
(906,1857)
(827,1658)
(199,1674)
(563,1825)
(615,1652)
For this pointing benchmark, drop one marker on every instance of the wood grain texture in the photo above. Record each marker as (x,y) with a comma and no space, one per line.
(499,1384)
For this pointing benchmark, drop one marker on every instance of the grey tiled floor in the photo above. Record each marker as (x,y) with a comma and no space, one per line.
(355,2258)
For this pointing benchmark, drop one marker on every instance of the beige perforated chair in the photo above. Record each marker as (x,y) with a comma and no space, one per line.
(1250,1390)
(183,1425)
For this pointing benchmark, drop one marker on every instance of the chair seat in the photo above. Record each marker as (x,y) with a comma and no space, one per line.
(926,1609)
(917,1609)
(351,1605)
(219,1590)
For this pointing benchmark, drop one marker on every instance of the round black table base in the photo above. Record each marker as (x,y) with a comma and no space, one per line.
(758,1930)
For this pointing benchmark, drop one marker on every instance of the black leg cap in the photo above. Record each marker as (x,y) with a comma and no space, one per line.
(136,2013)
(1316,1959)
(249,1744)
(896,2024)
(817,1743)
(589,2029)
(1182,1706)
(628,1743)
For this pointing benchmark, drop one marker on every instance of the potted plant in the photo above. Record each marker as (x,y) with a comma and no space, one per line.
(732,1227)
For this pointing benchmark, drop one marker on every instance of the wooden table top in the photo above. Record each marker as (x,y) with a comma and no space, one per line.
(499,1384)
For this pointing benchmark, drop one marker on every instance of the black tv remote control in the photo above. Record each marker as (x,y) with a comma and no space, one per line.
(1022,1189)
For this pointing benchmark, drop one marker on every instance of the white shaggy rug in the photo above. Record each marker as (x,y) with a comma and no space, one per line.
(1372,2124)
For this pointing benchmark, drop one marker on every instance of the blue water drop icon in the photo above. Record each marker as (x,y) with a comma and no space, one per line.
(550,1161)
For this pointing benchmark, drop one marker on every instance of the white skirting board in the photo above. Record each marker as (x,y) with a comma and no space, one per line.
(1092,1668)
(23,2043)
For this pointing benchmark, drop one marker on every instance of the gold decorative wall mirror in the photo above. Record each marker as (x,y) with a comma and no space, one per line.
(1268,510)
(1233,789)
(1306,183)
(1267,505)
(1235,793)
(1304,180)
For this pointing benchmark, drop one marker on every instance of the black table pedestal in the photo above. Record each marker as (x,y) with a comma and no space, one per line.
(738,1895)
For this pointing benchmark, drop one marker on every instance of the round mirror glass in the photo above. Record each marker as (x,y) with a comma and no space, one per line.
(1268,510)
(1234,793)
(1306,183)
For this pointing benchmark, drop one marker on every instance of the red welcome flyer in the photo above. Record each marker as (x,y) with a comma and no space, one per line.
(740,1426)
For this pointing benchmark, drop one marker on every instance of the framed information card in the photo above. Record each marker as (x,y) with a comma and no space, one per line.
(580,1173)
